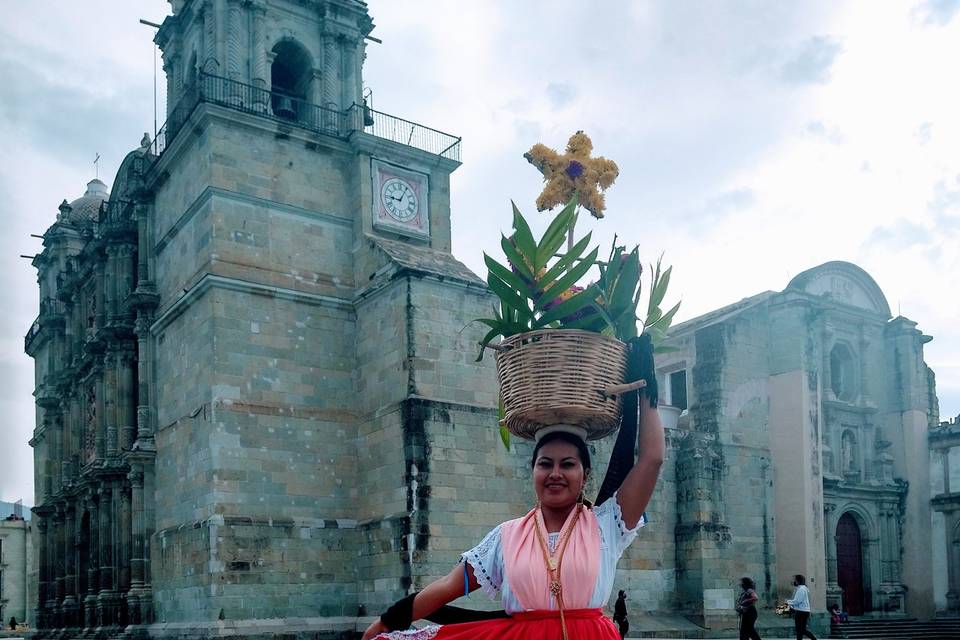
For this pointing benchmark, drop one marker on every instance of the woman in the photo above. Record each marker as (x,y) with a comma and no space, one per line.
(800,603)
(747,608)
(553,569)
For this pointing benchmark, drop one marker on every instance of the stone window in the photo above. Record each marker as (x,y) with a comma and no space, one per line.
(290,76)
(843,377)
(678,389)
(849,455)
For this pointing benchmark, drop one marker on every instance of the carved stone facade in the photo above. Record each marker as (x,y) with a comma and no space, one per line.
(94,438)
(945,483)
(816,403)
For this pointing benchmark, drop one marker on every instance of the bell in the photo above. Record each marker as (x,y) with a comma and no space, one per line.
(284,108)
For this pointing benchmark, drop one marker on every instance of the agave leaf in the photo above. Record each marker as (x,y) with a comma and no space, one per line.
(505,436)
(567,307)
(624,291)
(654,280)
(523,236)
(569,279)
(556,233)
(516,258)
(660,291)
(493,333)
(508,295)
(565,261)
(664,321)
(509,277)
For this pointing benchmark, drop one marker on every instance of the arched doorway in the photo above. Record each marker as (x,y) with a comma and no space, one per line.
(850,564)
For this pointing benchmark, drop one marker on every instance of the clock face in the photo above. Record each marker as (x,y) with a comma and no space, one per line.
(399,199)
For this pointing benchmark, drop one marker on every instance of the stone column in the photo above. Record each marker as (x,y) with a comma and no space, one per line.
(258,54)
(126,400)
(220,13)
(69,568)
(142,213)
(124,546)
(833,591)
(104,598)
(137,544)
(144,375)
(349,90)
(865,397)
(43,570)
(149,519)
(93,565)
(110,401)
(100,295)
(101,421)
(58,555)
(330,93)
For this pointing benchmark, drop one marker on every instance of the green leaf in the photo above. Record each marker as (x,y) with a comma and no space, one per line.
(565,261)
(666,319)
(564,309)
(505,436)
(625,288)
(509,296)
(509,277)
(523,236)
(516,258)
(493,333)
(569,279)
(660,291)
(555,234)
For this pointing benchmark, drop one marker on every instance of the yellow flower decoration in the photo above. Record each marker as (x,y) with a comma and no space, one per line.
(573,174)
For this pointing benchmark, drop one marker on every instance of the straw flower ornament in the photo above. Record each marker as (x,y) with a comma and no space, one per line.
(574,173)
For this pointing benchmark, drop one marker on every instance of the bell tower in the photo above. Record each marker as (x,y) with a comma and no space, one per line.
(311,51)
(308,323)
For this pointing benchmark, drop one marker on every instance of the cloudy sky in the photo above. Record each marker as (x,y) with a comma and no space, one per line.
(755,139)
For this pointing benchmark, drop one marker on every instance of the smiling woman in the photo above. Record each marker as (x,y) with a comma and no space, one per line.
(552,569)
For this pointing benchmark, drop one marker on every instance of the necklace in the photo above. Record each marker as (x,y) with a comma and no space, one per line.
(553,560)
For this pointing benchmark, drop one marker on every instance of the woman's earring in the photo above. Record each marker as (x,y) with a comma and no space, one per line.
(580,498)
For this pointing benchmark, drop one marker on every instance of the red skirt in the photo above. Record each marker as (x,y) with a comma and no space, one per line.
(582,624)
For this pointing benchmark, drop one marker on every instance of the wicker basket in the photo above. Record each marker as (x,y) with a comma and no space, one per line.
(559,376)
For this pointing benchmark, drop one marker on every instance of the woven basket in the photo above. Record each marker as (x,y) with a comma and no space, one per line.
(558,376)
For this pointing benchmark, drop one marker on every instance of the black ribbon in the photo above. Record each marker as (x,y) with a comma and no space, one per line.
(640,366)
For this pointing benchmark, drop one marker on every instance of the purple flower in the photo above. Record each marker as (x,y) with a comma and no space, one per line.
(574,170)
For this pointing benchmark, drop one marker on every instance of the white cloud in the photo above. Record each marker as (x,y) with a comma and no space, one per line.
(754,141)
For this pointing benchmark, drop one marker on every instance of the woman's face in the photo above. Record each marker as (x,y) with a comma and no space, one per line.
(558,474)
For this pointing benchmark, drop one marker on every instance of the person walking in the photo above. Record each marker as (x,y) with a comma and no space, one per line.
(800,603)
(620,613)
(747,609)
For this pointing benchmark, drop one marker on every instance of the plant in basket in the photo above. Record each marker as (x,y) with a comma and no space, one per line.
(562,355)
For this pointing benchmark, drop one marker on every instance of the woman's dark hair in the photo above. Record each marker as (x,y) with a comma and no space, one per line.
(799,579)
(569,438)
(747,583)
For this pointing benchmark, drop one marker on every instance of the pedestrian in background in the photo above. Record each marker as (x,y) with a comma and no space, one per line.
(747,609)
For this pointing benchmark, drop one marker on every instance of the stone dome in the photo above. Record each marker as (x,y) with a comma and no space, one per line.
(86,207)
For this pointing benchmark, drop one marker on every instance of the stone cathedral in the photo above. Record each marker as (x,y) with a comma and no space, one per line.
(258,411)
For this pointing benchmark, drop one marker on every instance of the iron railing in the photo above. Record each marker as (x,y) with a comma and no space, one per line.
(280,107)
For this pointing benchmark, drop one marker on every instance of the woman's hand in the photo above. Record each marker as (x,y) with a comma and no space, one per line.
(376,628)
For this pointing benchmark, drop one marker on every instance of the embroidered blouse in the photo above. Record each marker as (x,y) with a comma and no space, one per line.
(487,557)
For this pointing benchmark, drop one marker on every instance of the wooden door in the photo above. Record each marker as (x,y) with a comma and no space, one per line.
(850,565)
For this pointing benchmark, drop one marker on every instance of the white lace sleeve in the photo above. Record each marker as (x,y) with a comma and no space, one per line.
(487,561)
(613,531)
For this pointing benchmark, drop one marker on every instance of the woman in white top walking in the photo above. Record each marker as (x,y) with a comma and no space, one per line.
(800,603)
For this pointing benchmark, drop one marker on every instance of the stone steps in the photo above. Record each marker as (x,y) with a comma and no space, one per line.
(897,629)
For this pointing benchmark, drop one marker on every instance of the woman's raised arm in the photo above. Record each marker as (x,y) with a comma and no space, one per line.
(638,486)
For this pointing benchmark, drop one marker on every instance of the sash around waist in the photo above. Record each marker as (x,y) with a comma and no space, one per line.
(546,614)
